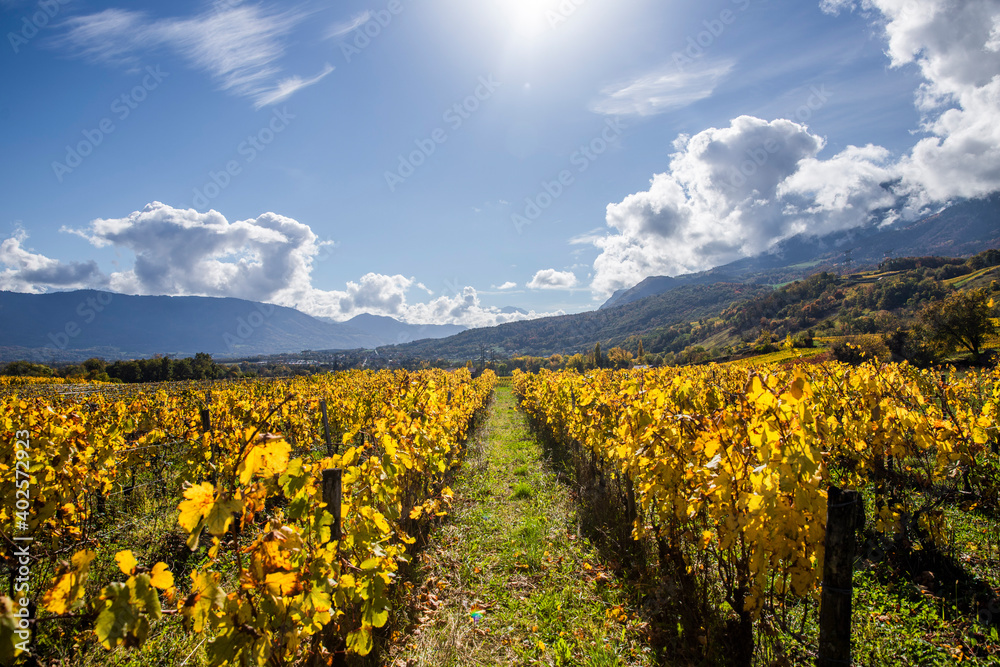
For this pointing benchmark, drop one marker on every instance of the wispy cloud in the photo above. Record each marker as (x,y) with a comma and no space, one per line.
(288,87)
(349,26)
(587,238)
(662,90)
(238,46)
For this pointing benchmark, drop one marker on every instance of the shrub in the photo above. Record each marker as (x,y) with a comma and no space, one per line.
(857,349)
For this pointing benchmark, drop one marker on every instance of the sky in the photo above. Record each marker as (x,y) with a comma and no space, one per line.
(447,161)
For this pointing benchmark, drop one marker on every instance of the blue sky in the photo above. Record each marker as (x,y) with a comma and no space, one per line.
(439,160)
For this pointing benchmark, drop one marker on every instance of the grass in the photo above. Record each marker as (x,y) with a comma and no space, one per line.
(153,538)
(523,490)
(922,604)
(513,551)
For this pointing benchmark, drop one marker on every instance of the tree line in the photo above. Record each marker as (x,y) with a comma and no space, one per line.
(156,369)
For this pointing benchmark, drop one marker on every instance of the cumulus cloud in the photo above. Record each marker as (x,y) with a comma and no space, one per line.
(552,279)
(838,193)
(508,285)
(182,252)
(732,192)
(736,191)
(662,90)
(237,45)
(956,46)
(26,271)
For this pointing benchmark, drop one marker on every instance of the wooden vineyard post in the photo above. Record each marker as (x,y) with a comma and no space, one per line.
(206,427)
(845,515)
(333,497)
(326,428)
(333,491)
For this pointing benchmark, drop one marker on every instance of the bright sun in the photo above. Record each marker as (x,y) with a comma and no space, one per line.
(527,18)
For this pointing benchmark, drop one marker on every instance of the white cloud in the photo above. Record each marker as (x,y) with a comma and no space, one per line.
(841,192)
(667,88)
(26,271)
(734,192)
(956,46)
(507,285)
(182,252)
(552,279)
(237,45)
(288,87)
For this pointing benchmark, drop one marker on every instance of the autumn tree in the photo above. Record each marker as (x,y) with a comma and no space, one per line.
(963,320)
(619,357)
(577,362)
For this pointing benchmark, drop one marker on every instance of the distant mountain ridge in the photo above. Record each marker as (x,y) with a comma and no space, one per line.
(70,326)
(391,330)
(565,334)
(961,230)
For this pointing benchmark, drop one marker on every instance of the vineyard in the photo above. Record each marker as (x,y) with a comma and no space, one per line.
(724,472)
(296,502)
(270,522)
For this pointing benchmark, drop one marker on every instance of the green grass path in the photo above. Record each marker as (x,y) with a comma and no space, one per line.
(512,549)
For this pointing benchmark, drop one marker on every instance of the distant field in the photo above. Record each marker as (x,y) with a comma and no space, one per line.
(782,355)
(959,281)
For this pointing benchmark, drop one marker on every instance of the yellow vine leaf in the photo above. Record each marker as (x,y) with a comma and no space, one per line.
(126,561)
(268,457)
(161,577)
(198,500)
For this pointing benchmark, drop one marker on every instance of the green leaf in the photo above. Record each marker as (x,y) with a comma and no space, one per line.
(117,616)
(8,624)
(360,641)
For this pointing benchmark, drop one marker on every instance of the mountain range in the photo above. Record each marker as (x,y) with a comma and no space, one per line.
(956,231)
(72,326)
(76,325)
(960,230)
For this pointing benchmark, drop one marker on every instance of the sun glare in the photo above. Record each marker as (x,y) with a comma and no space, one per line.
(526,18)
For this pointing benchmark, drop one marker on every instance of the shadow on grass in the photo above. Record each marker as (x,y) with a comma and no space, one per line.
(656,580)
